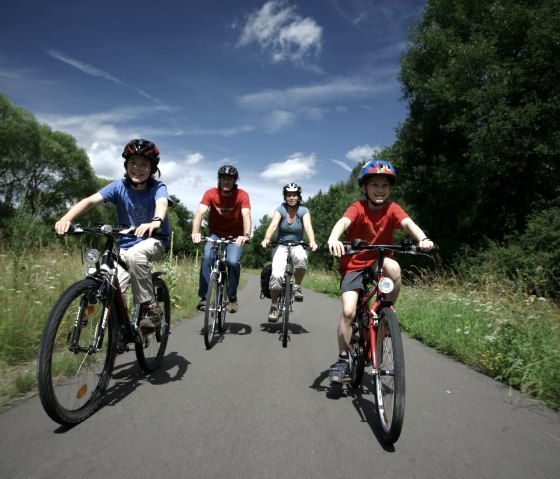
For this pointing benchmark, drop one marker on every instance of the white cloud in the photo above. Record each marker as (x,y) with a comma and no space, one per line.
(96,72)
(278,120)
(363,153)
(342,165)
(297,98)
(296,167)
(194,158)
(282,33)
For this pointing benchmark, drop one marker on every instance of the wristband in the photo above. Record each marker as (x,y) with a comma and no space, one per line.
(157,218)
(425,239)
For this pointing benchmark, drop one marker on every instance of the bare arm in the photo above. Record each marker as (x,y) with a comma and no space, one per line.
(335,245)
(271,229)
(246,214)
(197,222)
(309,231)
(159,212)
(81,207)
(416,232)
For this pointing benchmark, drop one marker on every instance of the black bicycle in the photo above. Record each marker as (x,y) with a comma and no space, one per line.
(217,299)
(88,327)
(286,298)
(376,339)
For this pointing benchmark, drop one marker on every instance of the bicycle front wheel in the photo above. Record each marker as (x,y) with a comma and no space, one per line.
(211,315)
(72,374)
(223,295)
(287,293)
(152,348)
(390,378)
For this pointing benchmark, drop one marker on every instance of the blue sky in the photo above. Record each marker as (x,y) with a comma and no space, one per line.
(285,90)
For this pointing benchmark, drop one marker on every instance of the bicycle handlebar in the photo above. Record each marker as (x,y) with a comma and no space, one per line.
(406,247)
(290,244)
(229,239)
(108,230)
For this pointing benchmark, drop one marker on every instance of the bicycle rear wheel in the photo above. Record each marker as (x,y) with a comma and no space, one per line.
(211,315)
(150,351)
(287,296)
(390,379)
(72,380)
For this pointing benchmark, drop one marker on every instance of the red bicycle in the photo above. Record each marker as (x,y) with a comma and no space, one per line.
(376,339)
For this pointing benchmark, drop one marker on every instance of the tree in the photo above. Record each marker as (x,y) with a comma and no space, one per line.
(19,147)
(478,151)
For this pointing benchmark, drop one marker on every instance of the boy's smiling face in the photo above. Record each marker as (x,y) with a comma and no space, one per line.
(139,169)
(378,189)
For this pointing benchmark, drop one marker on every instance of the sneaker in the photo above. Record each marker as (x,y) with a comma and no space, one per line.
(233,306)
(201,306)
(298,295)
(151,318)
(273,314)
(338,372)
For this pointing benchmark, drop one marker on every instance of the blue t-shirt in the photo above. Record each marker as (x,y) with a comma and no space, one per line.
(136,207)
(291,232)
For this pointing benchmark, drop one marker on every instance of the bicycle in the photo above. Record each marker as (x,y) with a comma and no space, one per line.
(376,339)
(286,298)
(88,326)
(217,299)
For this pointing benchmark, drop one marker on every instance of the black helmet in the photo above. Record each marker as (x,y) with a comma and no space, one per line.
(291,188)
(228,170)
(143,148)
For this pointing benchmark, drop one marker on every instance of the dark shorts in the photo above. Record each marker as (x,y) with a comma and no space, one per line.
(352,281)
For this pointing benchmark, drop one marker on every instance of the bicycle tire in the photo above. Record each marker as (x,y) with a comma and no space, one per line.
(71,385)
(211,312)
(287,292)
(223,295)
(151,350)
(390,379)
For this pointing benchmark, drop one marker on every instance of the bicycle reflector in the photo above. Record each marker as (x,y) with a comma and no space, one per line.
(385,285)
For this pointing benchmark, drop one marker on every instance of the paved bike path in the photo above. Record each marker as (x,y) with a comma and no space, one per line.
(250,408)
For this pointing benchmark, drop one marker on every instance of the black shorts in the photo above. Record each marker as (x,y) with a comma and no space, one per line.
(354,280)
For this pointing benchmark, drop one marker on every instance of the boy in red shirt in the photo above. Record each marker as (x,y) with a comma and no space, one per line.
(229,214)
(373,220)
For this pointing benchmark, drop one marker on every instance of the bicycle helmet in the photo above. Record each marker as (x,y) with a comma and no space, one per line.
(291,188)
(377,167)
(143,148)
(228,170)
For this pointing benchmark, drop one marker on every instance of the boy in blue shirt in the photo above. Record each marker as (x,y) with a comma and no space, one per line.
(141,201)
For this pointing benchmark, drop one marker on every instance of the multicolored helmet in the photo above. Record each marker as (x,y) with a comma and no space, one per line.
(143,148)
(377,167)
(291,188)
(228,170)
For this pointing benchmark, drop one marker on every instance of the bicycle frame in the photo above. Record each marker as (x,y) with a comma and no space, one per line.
(370,339)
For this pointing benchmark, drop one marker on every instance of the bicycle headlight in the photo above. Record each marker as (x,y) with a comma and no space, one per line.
(91,256)
(385,285)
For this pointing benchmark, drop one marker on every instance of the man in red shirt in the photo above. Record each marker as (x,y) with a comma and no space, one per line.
(229,214)
(373,220)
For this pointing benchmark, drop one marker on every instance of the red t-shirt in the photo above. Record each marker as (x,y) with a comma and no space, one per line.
(224,217)
(371,226)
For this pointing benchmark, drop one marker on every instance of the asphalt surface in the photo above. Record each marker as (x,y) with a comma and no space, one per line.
(248,408)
